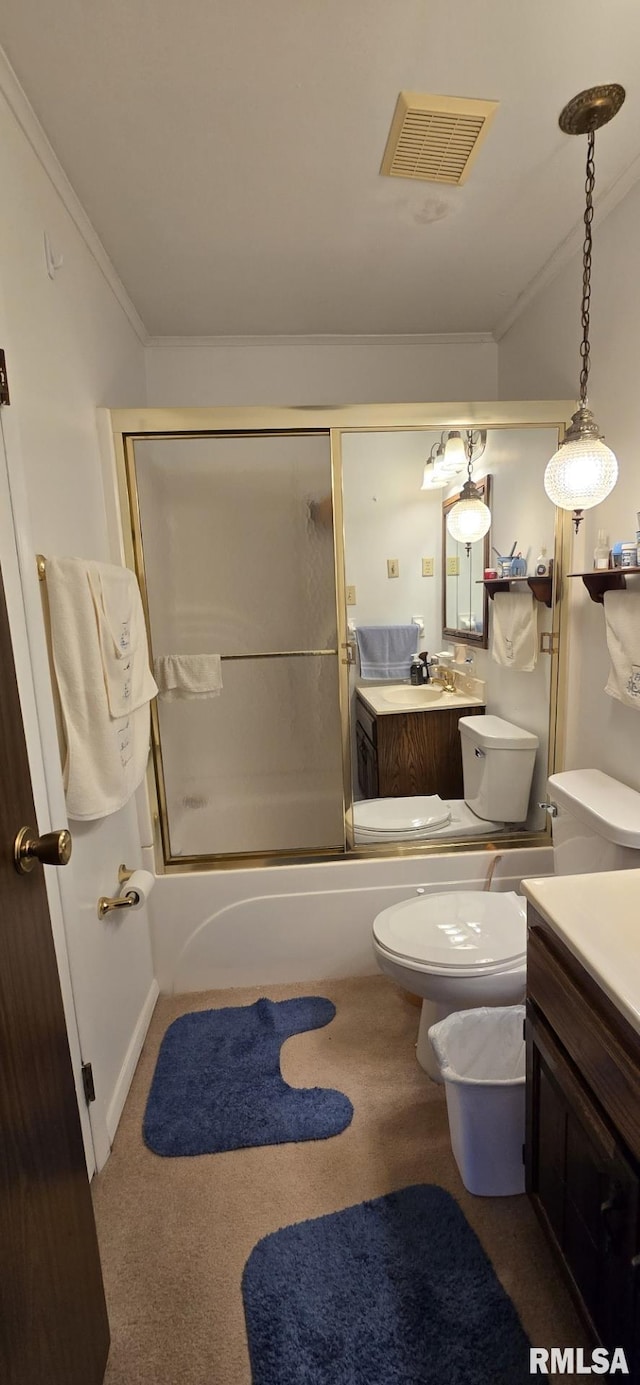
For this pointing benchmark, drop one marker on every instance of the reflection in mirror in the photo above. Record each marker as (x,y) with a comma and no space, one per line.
(465,600)
(422,743)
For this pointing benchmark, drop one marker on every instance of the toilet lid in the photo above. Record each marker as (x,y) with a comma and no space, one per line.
(401,815)
(468,929)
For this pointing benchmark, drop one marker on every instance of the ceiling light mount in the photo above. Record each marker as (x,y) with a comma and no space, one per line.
(591,109)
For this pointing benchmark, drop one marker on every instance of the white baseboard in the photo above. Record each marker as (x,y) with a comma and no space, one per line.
(125,1076)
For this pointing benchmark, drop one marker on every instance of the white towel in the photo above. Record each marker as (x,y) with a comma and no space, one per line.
(106,754)
(622,624)
(188,675)
(515,630)
(123,638)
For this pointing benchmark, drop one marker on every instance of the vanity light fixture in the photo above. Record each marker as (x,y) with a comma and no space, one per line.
(434,477)
(470,519)
(584,470)
(455,452)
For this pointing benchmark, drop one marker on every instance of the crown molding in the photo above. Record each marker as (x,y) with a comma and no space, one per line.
(27,119)
(568,248)
(379,339)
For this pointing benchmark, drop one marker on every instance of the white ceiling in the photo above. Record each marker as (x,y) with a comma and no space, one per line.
(227,151)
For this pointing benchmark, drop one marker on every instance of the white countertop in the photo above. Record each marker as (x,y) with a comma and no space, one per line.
(373,698)
(598,918)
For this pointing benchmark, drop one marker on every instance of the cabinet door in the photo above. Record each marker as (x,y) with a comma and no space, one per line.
(584,1187)
(367,764)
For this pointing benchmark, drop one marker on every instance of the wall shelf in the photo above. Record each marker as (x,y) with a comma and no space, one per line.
(601,580)
(542,587)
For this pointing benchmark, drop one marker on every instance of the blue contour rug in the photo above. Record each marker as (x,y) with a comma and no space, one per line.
(218,1086)
(396,1291)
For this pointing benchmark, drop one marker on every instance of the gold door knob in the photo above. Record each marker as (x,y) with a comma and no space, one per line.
(52,849)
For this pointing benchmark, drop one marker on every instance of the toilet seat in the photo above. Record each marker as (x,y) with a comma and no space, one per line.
(460,933)
(460,821)
(401,817)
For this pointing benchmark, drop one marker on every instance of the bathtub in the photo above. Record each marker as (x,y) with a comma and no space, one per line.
(247,927)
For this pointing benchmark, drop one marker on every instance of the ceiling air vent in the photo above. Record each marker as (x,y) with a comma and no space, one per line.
(435,138)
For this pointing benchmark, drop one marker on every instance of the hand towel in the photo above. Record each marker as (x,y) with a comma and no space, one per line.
(106,754)
(386,651)
(188,675)
(515,630)
(622,625)
(123,638)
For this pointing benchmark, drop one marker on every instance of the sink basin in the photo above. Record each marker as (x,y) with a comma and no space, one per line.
(412,697)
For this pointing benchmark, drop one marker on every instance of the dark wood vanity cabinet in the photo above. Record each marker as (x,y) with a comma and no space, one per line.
(582,1149)
(406,753)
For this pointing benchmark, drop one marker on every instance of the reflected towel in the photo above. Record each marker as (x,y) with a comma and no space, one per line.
(106,753)
(386,651)
(188,675)
(515,630)
(622,624)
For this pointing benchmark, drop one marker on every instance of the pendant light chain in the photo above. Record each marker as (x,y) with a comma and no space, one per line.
(586,266)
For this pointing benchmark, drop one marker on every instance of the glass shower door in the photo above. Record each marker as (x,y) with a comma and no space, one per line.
(236,535)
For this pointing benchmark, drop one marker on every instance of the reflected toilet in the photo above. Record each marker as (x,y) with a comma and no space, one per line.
(497,767)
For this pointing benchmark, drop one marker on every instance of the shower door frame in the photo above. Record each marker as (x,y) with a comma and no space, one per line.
(130,425)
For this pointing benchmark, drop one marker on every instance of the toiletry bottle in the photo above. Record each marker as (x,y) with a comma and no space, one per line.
(424,660)
(601,551)
(415,672)
(638,539)
(542,563)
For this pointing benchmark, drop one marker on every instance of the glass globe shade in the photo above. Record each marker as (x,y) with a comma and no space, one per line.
(455,455)
(433,479)
(469,521)
(581,474)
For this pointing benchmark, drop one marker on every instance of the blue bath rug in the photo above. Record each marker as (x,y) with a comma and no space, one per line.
(217,1084)
(397,1291)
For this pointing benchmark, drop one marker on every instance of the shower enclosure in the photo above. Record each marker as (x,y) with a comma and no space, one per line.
(236,550)
(233,520)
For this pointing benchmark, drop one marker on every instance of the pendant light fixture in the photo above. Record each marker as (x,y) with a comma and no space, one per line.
(470,519)
(584,470)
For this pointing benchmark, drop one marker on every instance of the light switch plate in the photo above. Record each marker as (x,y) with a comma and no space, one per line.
(453,566)
(351,596)
(393,567)
(427,567)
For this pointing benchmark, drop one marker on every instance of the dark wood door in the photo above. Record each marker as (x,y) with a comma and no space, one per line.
(53,1320)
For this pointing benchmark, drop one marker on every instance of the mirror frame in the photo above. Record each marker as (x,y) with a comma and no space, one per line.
(481,641)
(118,430)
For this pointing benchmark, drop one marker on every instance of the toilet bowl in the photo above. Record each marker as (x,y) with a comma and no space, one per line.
(416,819)
(457,950)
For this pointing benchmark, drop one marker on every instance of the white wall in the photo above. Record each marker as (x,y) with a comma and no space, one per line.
(316,372)
(70,347)
(386,515)
(539,359)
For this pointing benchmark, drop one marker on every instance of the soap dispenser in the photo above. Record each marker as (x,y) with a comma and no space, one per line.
(415,672)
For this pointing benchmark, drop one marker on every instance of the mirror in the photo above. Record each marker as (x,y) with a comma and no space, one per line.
(409,783)
(465,600)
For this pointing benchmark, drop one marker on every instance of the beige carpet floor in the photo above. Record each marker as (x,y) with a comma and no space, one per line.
(175,1233)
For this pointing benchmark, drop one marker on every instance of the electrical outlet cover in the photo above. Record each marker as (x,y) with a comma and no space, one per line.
(453,566)
(427,567)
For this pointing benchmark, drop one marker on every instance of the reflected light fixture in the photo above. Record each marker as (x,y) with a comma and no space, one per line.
(470,519)
(584,470)
(434,476)
(455,452)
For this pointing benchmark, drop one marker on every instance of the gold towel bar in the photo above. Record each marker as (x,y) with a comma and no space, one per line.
(41,564)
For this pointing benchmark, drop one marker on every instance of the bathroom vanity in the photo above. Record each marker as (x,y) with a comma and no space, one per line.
(582,1150)
(411,746)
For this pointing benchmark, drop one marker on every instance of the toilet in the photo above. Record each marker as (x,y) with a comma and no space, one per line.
(497,768)
(467,948)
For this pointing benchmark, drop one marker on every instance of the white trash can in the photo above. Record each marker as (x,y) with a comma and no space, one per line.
(481,1054)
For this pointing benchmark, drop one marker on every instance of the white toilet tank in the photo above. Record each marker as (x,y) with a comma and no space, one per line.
(595,822)
(497,767)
